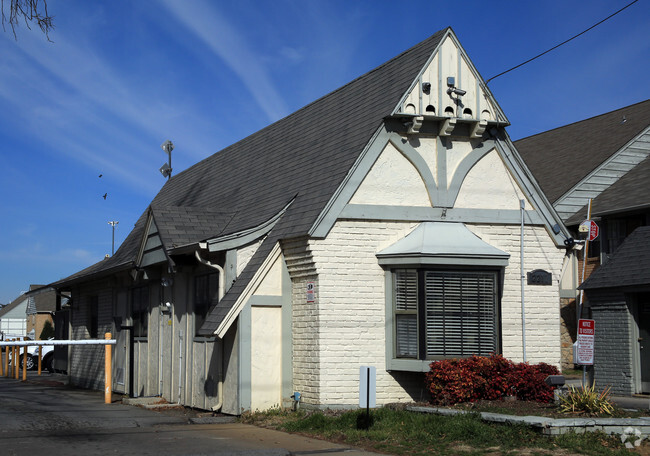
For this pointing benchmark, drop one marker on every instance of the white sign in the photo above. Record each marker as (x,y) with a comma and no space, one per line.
(585,343)
(310,291)
(367,387)
(591,228)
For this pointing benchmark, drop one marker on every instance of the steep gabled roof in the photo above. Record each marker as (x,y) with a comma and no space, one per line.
(560,158)
(303,157)
(628,266)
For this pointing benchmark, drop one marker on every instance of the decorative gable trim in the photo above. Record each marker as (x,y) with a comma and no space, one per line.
(241,238)
(152,249)
(422,91)
(531,189)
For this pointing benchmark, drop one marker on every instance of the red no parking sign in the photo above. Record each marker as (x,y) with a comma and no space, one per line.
(586,335)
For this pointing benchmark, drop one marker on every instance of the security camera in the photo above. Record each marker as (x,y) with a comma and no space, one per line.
(456,91)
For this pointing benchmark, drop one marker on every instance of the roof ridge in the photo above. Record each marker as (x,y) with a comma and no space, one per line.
(583,120)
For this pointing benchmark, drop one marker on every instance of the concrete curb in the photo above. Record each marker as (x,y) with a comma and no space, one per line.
(557,426)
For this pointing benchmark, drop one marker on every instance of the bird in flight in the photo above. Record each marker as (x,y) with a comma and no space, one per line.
(105,195)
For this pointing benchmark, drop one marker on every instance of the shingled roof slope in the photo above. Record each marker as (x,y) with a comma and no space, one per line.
(180,226)
(628,266)
(630,192)
(305,155)
(562,157)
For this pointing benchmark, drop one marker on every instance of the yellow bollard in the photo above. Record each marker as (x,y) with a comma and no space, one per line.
(2,362)
(25,361)
(108,372)
(40,356)
(15,360)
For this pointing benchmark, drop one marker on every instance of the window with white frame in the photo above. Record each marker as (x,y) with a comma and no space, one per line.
(445,313)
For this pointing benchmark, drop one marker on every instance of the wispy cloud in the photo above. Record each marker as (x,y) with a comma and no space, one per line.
(206,23)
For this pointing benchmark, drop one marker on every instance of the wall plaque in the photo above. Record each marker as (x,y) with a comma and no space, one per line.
(539,277)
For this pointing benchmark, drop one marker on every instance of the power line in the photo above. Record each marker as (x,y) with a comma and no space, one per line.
(562,43)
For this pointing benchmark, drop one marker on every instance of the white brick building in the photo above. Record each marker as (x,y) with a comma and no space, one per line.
(380,225)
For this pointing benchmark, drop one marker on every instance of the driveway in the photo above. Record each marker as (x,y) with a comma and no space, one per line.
(44,417)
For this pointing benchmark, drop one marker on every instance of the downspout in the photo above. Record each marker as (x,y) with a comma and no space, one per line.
(222,279)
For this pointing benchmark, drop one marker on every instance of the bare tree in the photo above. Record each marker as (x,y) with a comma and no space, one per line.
(30,11)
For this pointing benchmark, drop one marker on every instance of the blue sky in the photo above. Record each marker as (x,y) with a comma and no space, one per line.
(121,77)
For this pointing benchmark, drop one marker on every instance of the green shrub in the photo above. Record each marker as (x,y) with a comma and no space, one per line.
(587,401)
(478,377)
(47,331)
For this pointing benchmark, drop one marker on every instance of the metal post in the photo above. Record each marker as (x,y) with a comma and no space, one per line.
(113,224)
(180,363)
(40,356)
(108,371)
(584,267)
(368,399)
(522,205)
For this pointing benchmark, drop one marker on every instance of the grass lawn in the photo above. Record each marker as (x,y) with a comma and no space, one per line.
(402,432)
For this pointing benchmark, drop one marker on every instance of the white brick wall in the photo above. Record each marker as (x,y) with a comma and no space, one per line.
(305,321)
(345,327)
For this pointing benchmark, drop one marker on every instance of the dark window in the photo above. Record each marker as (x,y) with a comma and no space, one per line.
(93,326)
(445,313)
(140,311)
(205,290)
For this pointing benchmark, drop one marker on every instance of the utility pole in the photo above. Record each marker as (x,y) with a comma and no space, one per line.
(113,224)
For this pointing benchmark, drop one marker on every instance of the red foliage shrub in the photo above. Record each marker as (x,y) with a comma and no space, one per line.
(478,377)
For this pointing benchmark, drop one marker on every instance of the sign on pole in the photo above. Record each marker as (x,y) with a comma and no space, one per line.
(585,342)
(591,228)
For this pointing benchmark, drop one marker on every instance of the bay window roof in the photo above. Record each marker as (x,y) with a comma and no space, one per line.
(442,243)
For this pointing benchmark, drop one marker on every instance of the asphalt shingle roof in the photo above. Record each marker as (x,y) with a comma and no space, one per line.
(180,226)
(305,156)
(301,159)
(630,192)
(628,266)
(562,157)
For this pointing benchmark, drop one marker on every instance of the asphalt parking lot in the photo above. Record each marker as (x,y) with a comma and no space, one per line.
(44,416)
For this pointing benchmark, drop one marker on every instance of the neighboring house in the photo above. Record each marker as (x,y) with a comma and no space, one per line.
(13,321)
(41,306)
(619,293)
(379,225)
(604,158)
